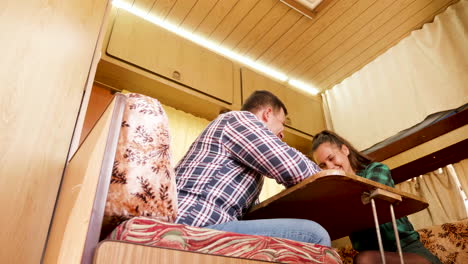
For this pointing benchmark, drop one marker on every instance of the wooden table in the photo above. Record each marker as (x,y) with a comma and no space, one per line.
(333,199)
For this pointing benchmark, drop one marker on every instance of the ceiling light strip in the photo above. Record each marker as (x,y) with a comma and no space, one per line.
(213,46)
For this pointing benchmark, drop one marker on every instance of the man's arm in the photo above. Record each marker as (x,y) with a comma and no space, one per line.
(258,148)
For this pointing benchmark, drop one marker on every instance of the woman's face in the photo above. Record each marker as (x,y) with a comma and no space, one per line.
(330,156)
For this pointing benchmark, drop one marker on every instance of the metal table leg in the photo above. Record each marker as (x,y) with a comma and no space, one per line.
(391,198)
(397,236)
(377,229)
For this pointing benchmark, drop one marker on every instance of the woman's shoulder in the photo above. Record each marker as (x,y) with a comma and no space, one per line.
(374,168)
(378,172)
(376,165)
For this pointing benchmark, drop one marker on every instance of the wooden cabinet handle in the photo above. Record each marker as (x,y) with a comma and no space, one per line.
(176,75)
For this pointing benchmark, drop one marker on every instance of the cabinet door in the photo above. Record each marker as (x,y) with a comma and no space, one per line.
(305,112)
(47,59)
(159,51)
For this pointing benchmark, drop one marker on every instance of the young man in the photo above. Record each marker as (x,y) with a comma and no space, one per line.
(221,175)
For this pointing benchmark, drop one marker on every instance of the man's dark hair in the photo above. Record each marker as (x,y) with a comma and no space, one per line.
(261,98)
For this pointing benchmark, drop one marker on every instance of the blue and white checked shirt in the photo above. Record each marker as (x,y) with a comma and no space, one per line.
(221,175)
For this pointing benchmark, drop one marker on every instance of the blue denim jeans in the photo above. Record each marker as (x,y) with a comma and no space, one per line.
(294,229)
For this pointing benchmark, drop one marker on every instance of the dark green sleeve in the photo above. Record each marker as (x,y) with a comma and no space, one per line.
(378,172)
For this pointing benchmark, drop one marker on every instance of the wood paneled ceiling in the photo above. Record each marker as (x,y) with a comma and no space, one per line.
(342,37)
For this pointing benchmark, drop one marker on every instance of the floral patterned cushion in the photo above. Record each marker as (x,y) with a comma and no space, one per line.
(347,254)
(151,232)
(143,181)
(449,242)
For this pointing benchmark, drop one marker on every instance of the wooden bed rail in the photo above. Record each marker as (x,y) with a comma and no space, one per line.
(115,252)
(437,145)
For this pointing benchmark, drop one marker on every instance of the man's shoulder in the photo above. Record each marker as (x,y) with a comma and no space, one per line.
(238,115)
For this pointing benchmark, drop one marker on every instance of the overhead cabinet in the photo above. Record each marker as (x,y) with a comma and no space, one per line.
(305,113)
(155,49)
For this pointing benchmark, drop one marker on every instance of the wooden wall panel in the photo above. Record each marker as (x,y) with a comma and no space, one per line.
(290,18)
(99,100)
(349,35)
(341,37)
(412,18)
(179,11)
(161,8)
(77,196)
(261,29)
(214,17)
(47,53)
(248,23)
(138,41)
(113,252)
(198,13)
(80,190)
(227,25)
(323,35)
(143,4)
(333,14)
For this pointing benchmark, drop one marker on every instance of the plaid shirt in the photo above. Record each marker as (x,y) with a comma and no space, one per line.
(221,175)
(367,239)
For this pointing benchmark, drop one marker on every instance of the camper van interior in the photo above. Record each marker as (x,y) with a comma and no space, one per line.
(389,76)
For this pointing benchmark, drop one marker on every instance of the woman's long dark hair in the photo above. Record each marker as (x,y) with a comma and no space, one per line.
(357,160)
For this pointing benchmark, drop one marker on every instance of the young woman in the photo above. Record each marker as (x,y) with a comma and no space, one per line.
(331,151)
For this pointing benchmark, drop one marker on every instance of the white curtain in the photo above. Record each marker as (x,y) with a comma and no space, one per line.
(442,192)
(270,188)
(184,129)
(425,73)
(461,169)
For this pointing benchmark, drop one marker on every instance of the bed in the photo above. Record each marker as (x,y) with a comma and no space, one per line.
(440,139)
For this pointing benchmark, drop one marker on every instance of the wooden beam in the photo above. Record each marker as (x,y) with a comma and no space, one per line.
(431,162)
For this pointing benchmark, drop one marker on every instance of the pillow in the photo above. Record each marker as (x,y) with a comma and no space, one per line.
(447,241)
(143,180)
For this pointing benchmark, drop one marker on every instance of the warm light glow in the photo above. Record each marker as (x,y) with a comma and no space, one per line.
(213,46)
(303,86)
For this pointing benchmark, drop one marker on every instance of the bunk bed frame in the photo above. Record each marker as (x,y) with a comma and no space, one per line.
(435,145)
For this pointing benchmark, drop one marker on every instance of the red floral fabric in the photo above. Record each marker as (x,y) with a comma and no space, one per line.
(152,232)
